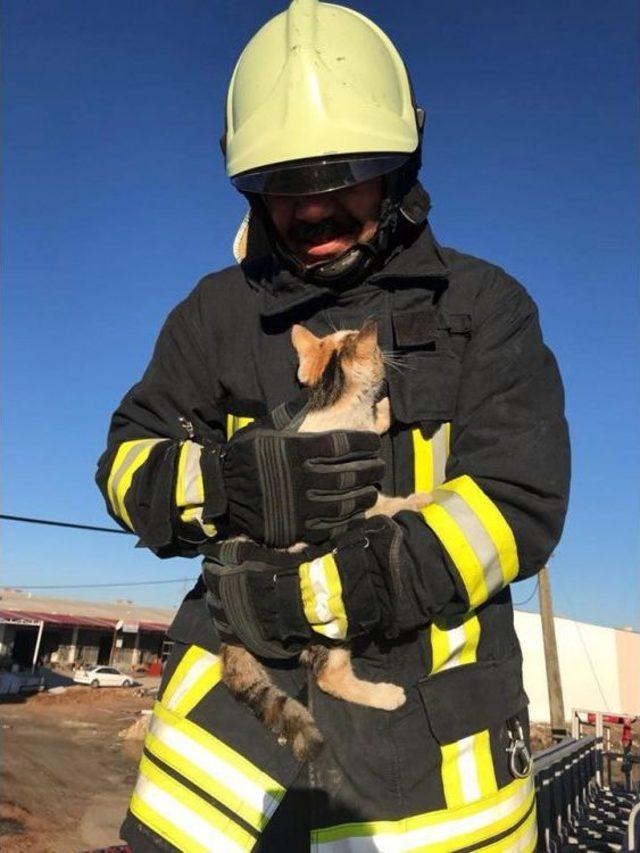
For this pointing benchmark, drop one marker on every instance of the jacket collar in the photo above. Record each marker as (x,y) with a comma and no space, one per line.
(419,257)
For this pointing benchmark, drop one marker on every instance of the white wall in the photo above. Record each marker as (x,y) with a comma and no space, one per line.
(590,668)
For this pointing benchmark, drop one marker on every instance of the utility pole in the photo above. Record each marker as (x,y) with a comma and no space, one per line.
(554,685)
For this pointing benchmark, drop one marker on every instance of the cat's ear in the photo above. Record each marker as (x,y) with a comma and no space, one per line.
(309,348)
(367,340)
(302,339)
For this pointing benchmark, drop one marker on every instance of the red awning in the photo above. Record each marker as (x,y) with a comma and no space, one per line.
(72,620)
(60,619)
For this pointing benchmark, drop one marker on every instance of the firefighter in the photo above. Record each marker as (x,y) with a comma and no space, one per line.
(323,137)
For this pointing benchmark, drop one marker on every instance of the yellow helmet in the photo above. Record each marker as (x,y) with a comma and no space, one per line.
(319,99)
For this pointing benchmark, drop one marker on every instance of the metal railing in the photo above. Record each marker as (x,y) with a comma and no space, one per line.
(576,810)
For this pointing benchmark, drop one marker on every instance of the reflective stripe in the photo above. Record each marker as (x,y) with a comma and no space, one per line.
(437,832)
(524,839)
(476,536)
(322,597)
(213,766)
(189,485)
(131,455)
(466,765)
(430,458)
(236,422)
(193,515)
(467,770)
(454,641)
(197,673)
(182,817)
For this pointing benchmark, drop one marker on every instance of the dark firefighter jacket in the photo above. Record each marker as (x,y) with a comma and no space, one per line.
(478,410)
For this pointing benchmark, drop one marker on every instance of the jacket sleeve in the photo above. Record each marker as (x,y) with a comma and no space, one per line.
(151,472)
(500,512)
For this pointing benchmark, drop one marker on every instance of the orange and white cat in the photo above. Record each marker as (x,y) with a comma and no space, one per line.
(345,375)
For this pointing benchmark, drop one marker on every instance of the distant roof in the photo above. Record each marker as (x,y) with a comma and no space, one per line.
(89,614)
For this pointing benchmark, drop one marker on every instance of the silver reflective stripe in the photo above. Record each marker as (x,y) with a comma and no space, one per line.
(185,819)
(221,772)
(192,480)
(475,534)
(479,825)
(440,445)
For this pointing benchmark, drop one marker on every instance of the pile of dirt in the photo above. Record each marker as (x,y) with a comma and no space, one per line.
(138,729)
(76,698)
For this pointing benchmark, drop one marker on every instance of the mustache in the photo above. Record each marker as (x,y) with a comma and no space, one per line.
(305,232)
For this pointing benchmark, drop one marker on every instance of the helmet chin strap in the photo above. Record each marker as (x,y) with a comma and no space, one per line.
(354,263)
(403,195)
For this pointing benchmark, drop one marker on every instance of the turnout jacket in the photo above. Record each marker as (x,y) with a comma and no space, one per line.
(478,421)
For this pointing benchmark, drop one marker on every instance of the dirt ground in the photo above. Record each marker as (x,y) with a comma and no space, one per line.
(66,775)
(67,771)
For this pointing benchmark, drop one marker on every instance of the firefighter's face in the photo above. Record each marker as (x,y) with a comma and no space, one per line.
(320,227)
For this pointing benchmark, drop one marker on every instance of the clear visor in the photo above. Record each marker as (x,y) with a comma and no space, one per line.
(317,176)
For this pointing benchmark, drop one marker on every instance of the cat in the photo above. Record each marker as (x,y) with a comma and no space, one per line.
(344,372)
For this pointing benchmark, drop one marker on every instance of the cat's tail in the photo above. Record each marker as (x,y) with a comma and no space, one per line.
(287,718)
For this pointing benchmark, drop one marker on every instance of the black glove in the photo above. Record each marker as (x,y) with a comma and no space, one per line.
(276,602)
(280,486)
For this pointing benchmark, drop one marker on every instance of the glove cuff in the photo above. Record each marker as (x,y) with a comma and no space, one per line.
(338,597)
(215,495)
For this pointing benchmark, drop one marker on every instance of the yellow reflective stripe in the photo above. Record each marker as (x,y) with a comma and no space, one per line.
(193,515)
(236,422)
(131,455)
(189,484)
(493,522)
(189,658)
(522,840)
(197,673)
(321,592)
(471,627)
(190,697)
(213,766)
(422,462)
(475,535)
(187,815)
(451,782)
(467,770)
(190,487)
(484,763)
(454,641)
(430,458)
(161,825)
(460,551)
(439,832)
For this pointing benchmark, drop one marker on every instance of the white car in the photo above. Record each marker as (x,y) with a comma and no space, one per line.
(102,676)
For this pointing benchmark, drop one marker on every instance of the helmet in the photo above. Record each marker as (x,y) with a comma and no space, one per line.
(320,100)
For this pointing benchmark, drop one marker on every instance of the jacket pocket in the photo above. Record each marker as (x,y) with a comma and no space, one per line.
(472,697)
(426,386)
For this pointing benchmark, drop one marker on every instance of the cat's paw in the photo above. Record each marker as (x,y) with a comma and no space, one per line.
(388,697)
(306,743)
(418,500)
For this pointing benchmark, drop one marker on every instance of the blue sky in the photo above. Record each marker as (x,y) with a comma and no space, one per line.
(116,202)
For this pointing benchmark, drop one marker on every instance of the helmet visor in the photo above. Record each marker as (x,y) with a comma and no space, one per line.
(317,176)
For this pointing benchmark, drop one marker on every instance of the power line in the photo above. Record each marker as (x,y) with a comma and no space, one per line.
(64,524)
(96,585)
(528,599)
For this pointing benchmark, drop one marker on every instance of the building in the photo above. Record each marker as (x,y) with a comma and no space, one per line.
(599,666)
(64,631)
